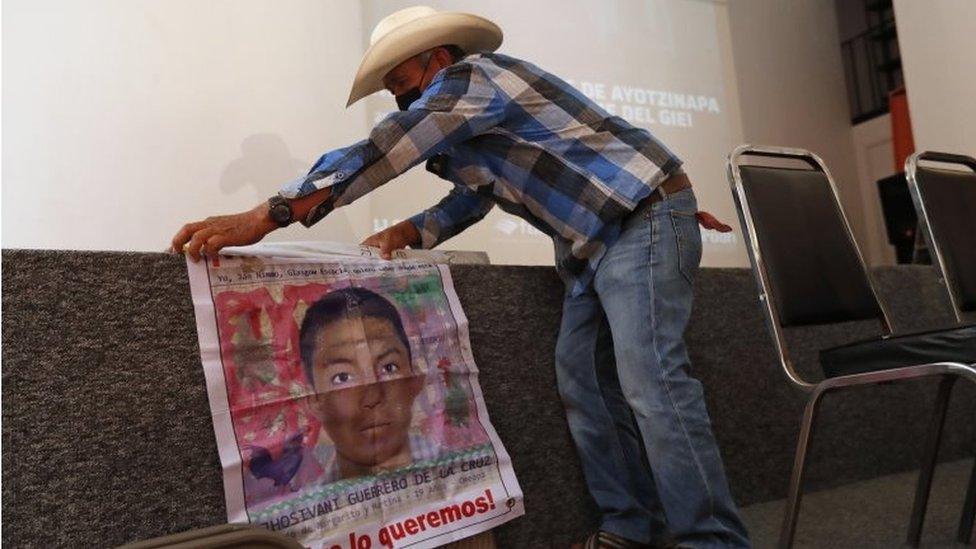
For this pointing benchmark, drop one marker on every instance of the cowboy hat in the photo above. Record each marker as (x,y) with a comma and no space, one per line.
(410,31)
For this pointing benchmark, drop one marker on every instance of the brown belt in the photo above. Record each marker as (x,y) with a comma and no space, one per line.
(676,183)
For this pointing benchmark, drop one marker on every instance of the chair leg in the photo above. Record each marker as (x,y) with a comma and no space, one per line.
(799,470)
(965,535)
(929,460)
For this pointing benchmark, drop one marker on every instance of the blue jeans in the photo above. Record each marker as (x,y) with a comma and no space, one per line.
(623,374)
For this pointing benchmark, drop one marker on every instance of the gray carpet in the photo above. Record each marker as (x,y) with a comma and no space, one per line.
(868,514)
(107,436)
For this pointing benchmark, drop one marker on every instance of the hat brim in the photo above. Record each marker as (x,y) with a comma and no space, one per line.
(469,32)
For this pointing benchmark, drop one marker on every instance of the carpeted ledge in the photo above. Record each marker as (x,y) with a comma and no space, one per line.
(107,435)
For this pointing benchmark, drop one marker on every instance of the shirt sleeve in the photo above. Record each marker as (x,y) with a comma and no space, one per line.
(461,102)
(457,211)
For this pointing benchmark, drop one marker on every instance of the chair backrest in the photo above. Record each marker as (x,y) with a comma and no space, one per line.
(807,265)
(945,201)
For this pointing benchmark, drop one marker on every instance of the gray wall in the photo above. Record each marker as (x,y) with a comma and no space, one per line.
(107,434)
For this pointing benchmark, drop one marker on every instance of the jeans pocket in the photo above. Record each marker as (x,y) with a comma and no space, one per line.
(689,244)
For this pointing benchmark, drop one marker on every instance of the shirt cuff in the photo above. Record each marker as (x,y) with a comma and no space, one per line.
(308,184)
(426,224)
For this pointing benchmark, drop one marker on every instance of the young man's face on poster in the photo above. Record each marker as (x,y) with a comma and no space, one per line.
(365,387)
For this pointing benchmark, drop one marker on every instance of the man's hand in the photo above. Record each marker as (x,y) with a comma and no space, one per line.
(394,238)
(214,233)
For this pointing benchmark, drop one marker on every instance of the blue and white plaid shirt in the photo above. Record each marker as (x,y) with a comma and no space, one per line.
(509,133)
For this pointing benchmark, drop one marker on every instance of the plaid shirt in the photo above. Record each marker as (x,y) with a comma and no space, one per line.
(506,132)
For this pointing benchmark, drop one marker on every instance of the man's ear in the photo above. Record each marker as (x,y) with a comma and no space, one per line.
(444,57)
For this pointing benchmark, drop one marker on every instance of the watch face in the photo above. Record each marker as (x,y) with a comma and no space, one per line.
(281,214)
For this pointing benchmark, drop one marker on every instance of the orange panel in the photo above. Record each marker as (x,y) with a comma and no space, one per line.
(901,128)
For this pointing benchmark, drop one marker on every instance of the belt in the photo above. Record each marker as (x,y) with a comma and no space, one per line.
(674,184)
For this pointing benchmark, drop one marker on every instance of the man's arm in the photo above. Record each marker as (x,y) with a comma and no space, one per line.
(457,211)
(240,229)
(460,103)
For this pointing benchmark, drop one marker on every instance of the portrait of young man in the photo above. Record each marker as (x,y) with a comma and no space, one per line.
(357,360)
(357,357)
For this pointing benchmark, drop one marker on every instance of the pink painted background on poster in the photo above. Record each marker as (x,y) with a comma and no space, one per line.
(267,390)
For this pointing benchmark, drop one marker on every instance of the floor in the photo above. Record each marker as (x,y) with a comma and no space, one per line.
(868,514)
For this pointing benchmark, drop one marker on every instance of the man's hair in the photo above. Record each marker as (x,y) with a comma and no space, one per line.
(347,303)
(456,52)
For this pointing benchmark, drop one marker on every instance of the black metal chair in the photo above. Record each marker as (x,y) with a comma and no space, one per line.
(945,201)
(809,271)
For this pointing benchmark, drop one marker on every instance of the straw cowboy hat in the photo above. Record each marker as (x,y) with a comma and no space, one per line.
(410,31)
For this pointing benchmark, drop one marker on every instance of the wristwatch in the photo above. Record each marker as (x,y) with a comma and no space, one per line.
(280,210)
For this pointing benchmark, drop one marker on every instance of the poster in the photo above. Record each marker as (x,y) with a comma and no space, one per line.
(345,402)
(315,250)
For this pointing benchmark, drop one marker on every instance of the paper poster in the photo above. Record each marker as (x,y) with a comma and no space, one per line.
(345,402)
(315,250)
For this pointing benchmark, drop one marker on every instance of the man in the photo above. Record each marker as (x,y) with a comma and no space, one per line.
(622,216)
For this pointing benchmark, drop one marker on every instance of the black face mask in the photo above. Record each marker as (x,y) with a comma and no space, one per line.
(407,98)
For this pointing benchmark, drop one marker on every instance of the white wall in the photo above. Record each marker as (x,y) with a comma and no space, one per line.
(791,86)
(875,160)
(124,118)
(127,118)
(938,51)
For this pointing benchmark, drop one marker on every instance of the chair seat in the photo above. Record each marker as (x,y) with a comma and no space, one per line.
(952,345)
